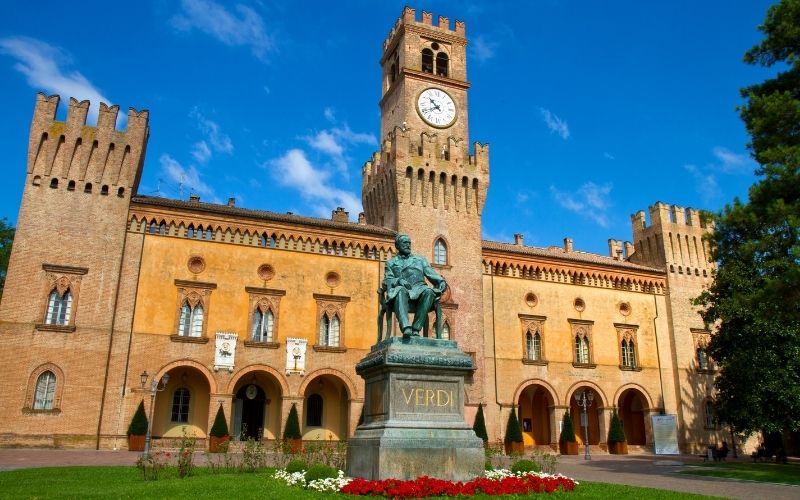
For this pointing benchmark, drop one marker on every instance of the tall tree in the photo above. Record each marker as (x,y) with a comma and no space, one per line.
(6,238)
(754,302)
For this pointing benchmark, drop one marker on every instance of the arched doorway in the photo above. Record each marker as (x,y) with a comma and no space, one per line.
(256,407)
(325,409)
(632,406)
(535,406)
(182,407)
(592,416)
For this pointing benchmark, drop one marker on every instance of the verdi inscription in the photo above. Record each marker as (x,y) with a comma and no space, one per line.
(417,396)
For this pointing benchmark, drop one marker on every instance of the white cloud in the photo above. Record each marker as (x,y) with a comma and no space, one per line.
(334,141)
(733,163)
(187,177)
(294,170)
(609,156)
(220,143)
(483,50)
(705,183)
(45,67)
(555,124)
(590,200)
(201,152)
(244,27)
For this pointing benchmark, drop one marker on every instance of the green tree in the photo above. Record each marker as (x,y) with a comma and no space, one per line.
(567,432)
(6,238)
(480,425)
(220,427)
(138,425)
(513,430)
(292,429)
(754,301)
(616,434)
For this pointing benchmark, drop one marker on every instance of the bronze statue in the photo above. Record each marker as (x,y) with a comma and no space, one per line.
(405,289)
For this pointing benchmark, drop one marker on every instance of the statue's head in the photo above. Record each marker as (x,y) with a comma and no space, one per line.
(402,242)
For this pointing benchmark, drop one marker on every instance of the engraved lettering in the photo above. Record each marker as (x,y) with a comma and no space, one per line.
(407,396)
(430,395)
(442,401)
(419,393)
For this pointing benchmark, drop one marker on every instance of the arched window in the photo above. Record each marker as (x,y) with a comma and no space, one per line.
(263,323)
(191,322)
(427,61)
(709,414)
(533,346)
(314,411)
(702,359)
(329,330)
(87,188)
(190,231)
(180,405)
(263,241)
(442,62)
(445,331)
(628,354)
(153,227)
(440,252)
(59,308)
(581,349)
(45,390)
(209,234)
(162,228)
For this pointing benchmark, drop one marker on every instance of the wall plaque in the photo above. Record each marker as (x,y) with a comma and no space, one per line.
(225,353)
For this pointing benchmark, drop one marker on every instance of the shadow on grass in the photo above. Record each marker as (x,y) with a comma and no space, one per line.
(762,472)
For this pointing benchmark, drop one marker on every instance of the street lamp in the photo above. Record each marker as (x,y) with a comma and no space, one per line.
(584,399)
(155,386)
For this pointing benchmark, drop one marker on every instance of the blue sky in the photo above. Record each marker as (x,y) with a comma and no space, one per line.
(593,110)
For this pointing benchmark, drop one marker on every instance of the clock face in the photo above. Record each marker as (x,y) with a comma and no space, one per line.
(436,107)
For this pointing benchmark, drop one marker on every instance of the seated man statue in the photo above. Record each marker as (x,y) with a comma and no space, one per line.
(404,281)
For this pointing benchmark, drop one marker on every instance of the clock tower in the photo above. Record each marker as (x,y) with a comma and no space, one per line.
(425,181)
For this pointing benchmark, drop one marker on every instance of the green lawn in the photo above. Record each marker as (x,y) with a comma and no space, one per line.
(764,472)
(126,482)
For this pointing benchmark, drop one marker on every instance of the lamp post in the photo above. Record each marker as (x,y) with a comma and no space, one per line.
(584,399)
(155,386)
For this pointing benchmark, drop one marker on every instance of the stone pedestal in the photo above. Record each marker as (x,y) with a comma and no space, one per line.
(414,413)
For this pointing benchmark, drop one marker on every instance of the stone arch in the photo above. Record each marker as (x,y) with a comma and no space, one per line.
(536,381)
(536,401)
(212,381)
(246,370)
(351,388)
(580,383)
(639,388)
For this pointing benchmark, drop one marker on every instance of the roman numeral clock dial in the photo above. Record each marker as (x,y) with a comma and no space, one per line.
(436,107)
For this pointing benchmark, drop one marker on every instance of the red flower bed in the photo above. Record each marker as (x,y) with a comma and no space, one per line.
(429,487)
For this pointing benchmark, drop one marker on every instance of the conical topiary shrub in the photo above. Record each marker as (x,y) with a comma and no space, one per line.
(291,431)
(138,425)
(566,441)
(218,436)
(480,426)
(617,444)
(137,429)
(220,427)
(513,440)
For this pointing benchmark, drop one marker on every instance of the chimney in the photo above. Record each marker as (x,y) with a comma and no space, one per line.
(362,219)
(194,198)
(339,215)
(519,240)
(231,201)
(568,245)
(614,249)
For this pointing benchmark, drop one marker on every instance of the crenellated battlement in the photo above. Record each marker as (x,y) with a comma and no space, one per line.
(409,19)
(426,169)
(674,238)
(85,157)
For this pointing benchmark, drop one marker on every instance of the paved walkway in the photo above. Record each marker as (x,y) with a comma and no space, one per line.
(636,470)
